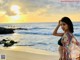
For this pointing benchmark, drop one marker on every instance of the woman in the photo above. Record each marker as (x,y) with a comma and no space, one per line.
(67,41)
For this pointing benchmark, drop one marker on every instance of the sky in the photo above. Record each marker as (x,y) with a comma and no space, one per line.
(30,11)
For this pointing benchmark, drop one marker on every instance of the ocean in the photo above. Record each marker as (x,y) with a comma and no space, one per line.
(37,35)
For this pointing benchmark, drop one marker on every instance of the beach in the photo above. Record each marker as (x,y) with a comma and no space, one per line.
(36,43)
(27,53)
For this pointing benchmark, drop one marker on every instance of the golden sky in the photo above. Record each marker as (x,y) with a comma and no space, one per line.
(30,11)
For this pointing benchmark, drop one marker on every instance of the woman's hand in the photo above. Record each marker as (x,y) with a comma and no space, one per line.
(56,29)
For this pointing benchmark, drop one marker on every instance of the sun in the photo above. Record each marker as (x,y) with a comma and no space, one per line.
(15,9)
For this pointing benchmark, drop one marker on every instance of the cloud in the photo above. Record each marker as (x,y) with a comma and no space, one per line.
(41,6)
(55,6)
(2,13)
(38,12)
(9,13)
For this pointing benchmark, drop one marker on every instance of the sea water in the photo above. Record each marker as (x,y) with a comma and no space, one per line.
(37,35)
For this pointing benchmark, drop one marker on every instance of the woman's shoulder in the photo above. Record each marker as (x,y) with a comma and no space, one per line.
(68,34)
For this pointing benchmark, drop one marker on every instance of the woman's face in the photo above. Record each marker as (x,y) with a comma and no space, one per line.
(64,26)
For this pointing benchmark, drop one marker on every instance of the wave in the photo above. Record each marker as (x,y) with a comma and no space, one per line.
(38,33)
(33,44)
(24,45)
(76,24)
(42,43)
(77,34)
(37,28)
(43,33)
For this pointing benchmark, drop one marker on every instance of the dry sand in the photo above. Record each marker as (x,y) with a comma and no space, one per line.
(27,53)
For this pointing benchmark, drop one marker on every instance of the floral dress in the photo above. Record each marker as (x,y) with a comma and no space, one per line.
(71,47)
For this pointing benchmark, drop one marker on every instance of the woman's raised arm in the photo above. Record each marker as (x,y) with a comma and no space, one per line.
(56,29)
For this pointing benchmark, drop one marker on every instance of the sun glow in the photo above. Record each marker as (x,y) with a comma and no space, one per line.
(15,9)
(15,19)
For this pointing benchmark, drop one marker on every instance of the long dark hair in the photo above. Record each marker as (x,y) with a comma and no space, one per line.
(69,23)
